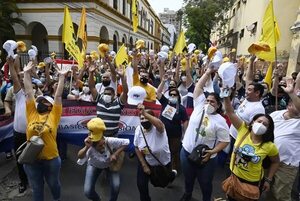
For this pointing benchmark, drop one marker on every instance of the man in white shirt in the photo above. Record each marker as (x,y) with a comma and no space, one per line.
(287,140)
(250,106)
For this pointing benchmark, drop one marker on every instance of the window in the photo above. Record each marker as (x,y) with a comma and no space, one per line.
(130,10)
(115,4)
(242,33)
(124,7)
(238,5)
(233,12)
(255,28)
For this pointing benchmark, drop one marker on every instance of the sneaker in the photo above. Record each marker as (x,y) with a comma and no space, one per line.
(175,172)
(173,175)
(186,197)
(8,156)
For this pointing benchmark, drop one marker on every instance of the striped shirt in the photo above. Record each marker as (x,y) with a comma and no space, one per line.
(110,113)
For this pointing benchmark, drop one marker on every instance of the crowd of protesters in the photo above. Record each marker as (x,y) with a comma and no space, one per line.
(264,116)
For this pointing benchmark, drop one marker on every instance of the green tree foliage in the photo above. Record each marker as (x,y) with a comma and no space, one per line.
(9,15)
(200,16)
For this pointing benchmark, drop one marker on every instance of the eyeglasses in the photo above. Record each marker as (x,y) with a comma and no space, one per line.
(173,95)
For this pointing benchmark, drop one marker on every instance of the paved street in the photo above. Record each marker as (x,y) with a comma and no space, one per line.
(72,177)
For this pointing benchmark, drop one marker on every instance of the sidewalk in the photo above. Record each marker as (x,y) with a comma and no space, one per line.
(8,179)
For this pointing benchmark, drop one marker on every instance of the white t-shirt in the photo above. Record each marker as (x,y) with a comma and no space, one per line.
(213,129)
(100,88)
(158,143)
(20,123)
(246,111)
(102,160)
(287,138)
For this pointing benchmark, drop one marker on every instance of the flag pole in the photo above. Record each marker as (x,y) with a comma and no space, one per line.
(275,50)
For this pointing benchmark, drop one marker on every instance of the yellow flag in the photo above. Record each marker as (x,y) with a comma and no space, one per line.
(82,33)
(69,39)
(121,57)
(180,45)
(268,78)
(270,33)
(135,15)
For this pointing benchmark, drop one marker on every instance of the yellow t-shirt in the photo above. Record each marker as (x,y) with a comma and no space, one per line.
(251,168)
(150,91)
(35,123)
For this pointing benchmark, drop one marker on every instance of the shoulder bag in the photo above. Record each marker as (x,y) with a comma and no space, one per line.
(198,152)
(160,175)
(238,190)
(29,150)
(117,164)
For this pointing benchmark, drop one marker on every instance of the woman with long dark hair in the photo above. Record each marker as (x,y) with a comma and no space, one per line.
(173,115)
(253,144)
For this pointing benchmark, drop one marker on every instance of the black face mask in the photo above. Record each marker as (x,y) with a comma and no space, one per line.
(144,80)
(106,83)
(171,87)
(146,124)
(256,80)
(42,108)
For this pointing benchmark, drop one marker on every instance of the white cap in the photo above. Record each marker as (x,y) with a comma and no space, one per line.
(162,56)
(9,47)
(112,53)
(136,95)
(217,60)
(191,47)
(34,48)
(47,98)
(32,54)
(165,49)
(227,72)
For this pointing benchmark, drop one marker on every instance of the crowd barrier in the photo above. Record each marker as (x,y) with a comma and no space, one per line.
(72,128)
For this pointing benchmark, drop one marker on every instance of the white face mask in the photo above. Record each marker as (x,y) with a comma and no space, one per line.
(259,128)
(209,109)
(75,92)
(173,100)
(86,90)
(183,78)
(156,76)
(107,98)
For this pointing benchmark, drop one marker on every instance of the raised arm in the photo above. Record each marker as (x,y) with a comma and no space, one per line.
(157,123)
(60,87)
(123,96)
(177,68)
(274,89)
(289,89)
(160,88)
(92,87)
(201,82)
(134,62)
(189,78)
(13,74)
(27,81)
(249,73)
(112,68)
(235,120)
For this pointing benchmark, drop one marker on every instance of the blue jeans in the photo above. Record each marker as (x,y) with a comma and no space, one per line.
(91,176)
(203,174)
(44,169)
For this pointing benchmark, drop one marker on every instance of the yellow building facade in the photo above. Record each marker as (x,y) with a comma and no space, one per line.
(245,25)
